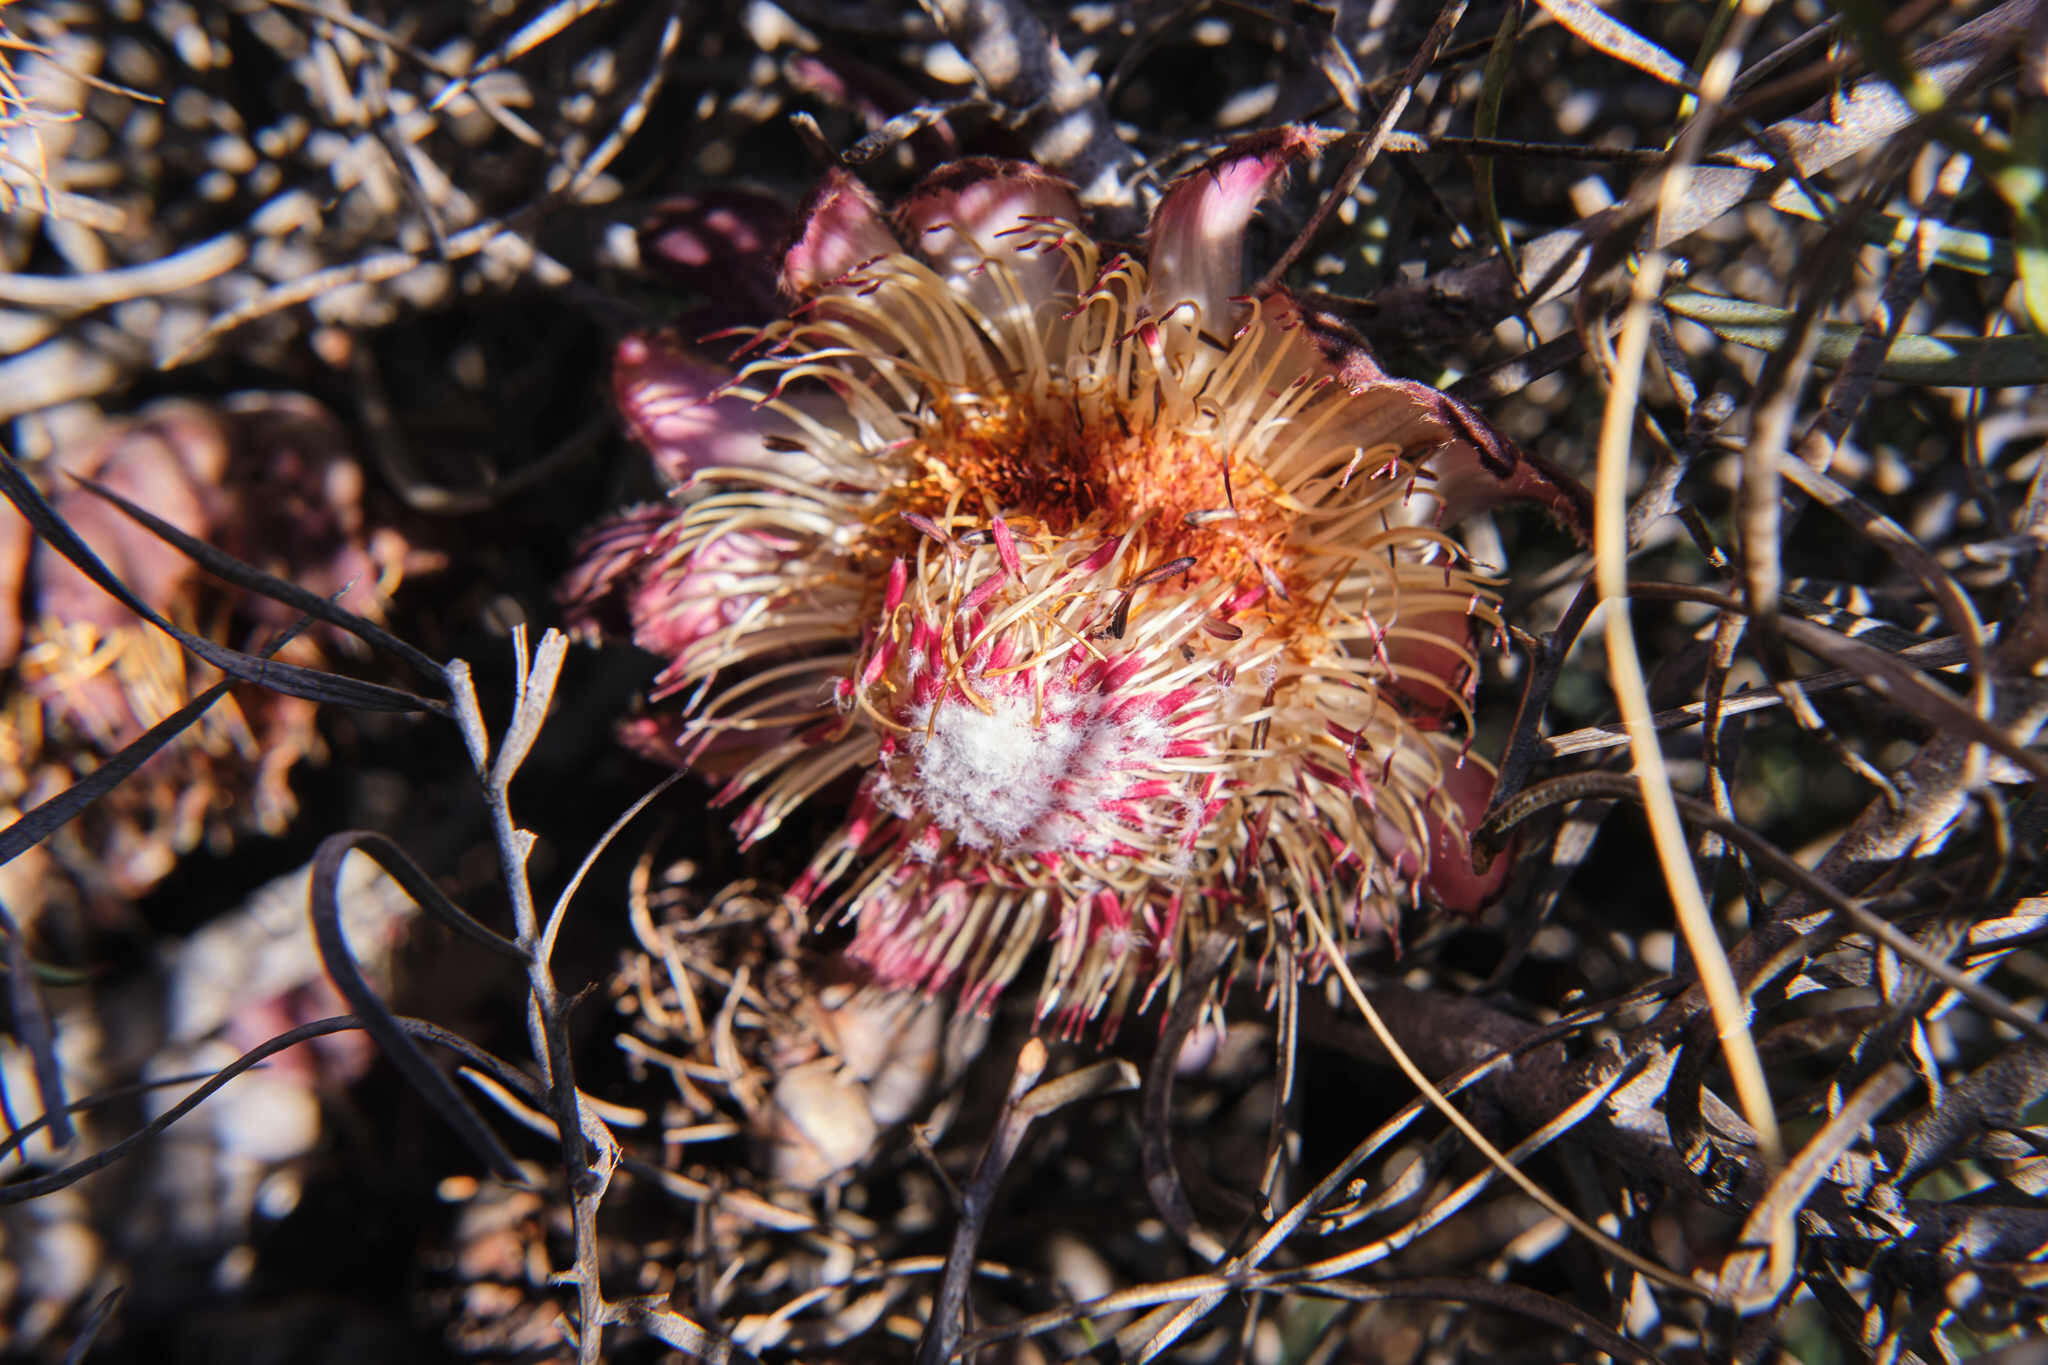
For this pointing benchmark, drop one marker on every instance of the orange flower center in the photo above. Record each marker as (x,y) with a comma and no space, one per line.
(1211,510)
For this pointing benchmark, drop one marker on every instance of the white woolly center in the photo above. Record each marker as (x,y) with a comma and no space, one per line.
(1004,778)
(992,779)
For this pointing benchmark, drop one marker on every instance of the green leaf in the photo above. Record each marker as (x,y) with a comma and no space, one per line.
(52,975)
(1710,43)
(1956,362)
(1493,86)
(2023,182)
(1974,253)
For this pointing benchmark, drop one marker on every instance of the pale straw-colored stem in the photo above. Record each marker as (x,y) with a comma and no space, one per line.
(1610,551)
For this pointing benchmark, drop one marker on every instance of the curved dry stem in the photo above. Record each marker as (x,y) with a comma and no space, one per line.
(1610,548)
(377,1017)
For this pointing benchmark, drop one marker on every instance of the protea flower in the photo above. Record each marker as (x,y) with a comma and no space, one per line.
(1125,599)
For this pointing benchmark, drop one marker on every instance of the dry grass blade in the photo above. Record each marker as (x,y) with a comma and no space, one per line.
(1604,33)
(1625,667)
(1943,653)
(560,912)
(1781,865)
(1610,549)
(228,569)
(32,1028)
(1761,514)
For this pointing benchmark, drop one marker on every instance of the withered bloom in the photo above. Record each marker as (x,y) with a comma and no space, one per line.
(269,479)
(1126,600)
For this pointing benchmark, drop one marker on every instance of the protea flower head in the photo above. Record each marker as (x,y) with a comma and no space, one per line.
(1126,600)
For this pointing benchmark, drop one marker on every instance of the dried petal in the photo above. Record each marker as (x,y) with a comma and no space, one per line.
(704,587)
(1196,247)
(299,506)
(1451,880)
(678,407)
(976,221)
(607,560)
(170,462)
(16,540)
(1476,468)
(843,227)
(820,1124)
(266,477)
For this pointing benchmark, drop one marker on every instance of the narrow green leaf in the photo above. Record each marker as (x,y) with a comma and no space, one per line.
(52,975)
(1974,253)
(2033,264)
(1710,43)
(1493,86)
(2023,182)
(1956,362)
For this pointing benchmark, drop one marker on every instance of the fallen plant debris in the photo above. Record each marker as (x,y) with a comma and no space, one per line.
(1087,538)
